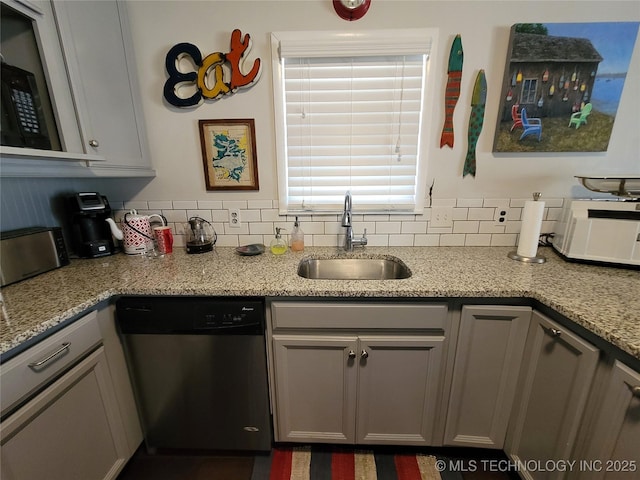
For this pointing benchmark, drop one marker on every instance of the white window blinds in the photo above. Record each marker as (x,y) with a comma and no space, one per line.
(349,117)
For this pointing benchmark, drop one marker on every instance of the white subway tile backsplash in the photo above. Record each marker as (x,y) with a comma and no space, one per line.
(210,204)
(401,240)
(175,215)
(414,227)
(466,226)
(506,240)
(388,227)
(260,204)
(251,215)
(136,205)
(481,213)
(427,240)
(477,240)
(185,204)
(452,240)
(491,227)
(239,204)
(271,215)
(473,222)
(469,202)
(460,214)
(204,214)
(262,228)
(159,205)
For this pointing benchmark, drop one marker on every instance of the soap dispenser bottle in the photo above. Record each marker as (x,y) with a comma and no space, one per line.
(278,246)
(297,237)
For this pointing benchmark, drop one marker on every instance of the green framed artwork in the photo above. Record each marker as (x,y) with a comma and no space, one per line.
(229,154)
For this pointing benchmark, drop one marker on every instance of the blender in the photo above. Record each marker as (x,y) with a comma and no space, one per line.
(200,235)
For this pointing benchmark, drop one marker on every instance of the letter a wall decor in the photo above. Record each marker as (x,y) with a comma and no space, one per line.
(210,79)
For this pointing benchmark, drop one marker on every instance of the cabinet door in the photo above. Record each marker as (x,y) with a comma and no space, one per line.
(398,387)
(489,353)
(99,57)
(70,431)
(553,389)
(315,394)
(614,447)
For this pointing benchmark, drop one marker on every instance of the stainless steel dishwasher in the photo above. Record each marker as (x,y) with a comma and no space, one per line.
(199,370)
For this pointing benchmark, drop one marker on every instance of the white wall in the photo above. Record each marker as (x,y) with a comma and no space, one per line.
(484,25)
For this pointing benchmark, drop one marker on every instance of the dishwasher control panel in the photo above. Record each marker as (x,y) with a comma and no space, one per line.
(191,315)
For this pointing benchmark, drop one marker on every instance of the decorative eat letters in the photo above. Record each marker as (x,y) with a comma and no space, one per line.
(210,72)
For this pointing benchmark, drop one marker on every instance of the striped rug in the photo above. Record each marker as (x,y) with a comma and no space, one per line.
(317,463)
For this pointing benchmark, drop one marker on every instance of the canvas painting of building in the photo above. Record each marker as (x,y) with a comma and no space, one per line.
(562,86)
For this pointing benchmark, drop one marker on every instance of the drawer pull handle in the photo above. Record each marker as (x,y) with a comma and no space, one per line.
(555,332)
(39,363)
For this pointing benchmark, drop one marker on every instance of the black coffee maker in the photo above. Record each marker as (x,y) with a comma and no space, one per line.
(90,232)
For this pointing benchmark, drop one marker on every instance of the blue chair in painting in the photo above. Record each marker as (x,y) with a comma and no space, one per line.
(580,117)
(531,126)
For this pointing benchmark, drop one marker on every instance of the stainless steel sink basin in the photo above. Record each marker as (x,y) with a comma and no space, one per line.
(353,269)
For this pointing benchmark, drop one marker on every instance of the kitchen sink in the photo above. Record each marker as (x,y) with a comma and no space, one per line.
(353,269)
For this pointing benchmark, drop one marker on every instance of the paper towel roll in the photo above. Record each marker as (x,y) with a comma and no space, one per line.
(530,230)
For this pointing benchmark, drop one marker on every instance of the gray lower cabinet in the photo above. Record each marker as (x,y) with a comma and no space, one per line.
(489,351)
(613,446)
(374,389)
(71,430)
(68,405)
(552,391)
(365,383)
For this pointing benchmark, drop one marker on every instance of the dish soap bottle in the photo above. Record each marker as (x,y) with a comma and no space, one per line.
(297,237)
(278,245)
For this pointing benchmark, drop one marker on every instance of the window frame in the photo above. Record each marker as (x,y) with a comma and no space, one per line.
(345,44)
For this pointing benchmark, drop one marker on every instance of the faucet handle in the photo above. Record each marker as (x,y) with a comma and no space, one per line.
(364,235)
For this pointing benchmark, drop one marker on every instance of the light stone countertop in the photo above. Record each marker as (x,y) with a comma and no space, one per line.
(605,301)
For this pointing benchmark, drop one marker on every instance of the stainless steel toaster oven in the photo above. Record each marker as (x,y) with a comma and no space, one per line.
(27,252)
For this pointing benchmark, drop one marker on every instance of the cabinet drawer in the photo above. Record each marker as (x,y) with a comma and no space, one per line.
(350,315)
(26,373)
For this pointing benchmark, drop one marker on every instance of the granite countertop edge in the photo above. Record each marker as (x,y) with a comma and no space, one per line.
(600,299)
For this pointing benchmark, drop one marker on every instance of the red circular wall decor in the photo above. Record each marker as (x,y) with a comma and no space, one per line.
(351,9)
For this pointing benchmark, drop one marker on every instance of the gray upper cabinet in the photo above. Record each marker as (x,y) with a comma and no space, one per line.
(553,388)
(488,357)
(87,58)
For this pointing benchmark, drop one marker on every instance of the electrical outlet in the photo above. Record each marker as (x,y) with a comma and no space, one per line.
(442,217)
(500,215)
(234,218)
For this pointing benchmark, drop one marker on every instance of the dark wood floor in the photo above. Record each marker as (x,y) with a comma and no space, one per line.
(469,463)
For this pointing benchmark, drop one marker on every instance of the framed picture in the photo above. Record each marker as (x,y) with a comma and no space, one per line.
(229,154)
(562,86)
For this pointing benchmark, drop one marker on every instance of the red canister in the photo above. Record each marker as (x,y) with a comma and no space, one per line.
(164,239)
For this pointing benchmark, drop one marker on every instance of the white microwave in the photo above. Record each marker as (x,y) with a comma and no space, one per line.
(596,230)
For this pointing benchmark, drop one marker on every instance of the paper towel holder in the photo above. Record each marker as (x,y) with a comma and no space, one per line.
(521,258)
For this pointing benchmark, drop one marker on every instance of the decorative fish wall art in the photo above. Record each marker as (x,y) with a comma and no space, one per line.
(452,92)
(476,119)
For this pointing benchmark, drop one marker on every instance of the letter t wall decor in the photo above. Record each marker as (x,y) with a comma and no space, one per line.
(209,79)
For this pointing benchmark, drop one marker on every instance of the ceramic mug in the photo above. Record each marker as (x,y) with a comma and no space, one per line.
(164,239)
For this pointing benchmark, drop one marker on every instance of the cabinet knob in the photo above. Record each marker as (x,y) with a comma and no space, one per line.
(364,354)
(635,391)
(352,354)
(94,143)
(555,332)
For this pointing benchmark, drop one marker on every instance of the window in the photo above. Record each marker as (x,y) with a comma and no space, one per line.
(529,87)
(349,116)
